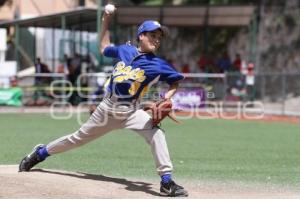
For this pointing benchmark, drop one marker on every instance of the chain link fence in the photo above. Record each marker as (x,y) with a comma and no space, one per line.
(278,93)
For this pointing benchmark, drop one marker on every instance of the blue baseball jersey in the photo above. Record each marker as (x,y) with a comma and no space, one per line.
(135,72)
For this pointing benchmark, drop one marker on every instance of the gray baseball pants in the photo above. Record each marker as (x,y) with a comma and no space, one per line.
(107,118)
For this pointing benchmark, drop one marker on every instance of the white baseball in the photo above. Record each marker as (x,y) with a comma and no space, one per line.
(109,8)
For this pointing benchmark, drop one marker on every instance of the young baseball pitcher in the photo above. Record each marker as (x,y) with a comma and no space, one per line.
(136,70)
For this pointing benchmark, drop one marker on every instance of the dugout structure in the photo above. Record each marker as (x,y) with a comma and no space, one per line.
(87,19)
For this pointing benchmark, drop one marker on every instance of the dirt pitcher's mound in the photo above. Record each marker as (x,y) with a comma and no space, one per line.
(41,184)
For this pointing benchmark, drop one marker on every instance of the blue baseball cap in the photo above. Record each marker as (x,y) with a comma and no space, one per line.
(149,25)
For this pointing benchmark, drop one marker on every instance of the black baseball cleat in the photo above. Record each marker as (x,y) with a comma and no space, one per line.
(31,159)
(172,189)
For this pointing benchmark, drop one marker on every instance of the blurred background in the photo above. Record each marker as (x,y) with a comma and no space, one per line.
(232,52)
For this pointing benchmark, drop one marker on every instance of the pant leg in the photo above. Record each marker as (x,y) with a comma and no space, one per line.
(140,122)
(98,124)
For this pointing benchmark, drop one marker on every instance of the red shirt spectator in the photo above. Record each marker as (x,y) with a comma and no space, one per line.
(237,62)
(204,62)
(185,68)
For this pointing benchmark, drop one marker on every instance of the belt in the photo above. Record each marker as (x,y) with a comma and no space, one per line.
(115,99)
(114,103)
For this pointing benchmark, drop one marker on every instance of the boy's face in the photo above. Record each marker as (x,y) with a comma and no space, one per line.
(150,41)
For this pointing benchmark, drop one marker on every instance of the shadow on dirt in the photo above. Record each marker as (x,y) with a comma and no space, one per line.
(130,185)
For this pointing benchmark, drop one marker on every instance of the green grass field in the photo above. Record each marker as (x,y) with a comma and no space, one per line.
(245,151)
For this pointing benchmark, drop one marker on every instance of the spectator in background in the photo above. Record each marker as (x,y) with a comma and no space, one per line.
(185,68)
(13,81)
(74,73)
(203,62)
(237,63)
(206,64)
(66,64)
(74,68)
(250,82)
(41,96)
(224,63)
(41,68)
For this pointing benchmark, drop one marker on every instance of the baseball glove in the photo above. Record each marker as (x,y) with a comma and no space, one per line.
(160,110)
